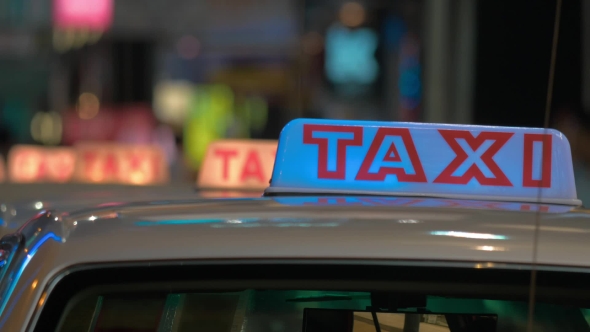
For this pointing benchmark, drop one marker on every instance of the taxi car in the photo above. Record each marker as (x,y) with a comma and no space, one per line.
(365,226)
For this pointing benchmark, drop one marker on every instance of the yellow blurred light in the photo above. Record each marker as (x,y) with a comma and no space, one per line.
(81,37)
(88,106)
(352,14)
(42,299)
(138,178)
(172,101)
(46,128)
(34,284)
(94,36)
(62,41)
(67,39)
(36,126)
(211,112)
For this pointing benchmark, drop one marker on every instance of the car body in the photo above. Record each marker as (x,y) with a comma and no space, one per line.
(22,202)
(269,229)
(379,253)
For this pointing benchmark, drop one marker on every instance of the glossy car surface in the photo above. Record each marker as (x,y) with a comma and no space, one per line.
(468,235)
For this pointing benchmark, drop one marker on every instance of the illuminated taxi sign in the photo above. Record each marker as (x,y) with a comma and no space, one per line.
(238,164)
(415,159)
(120,164)
(29,164)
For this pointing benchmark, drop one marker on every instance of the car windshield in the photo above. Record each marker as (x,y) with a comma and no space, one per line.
(312,297)
(284,310)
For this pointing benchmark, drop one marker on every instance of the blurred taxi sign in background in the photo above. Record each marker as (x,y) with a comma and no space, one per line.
(120,163)
(28,164)
(238,164)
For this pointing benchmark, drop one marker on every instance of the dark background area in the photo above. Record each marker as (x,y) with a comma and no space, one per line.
(514,42)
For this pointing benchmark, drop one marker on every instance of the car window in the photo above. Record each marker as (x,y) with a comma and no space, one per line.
(282,310)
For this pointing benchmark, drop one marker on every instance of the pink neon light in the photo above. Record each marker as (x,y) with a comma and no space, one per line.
(91,14)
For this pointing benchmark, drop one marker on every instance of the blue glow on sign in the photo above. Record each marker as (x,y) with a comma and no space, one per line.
(418,159)
(350,55)
(422,203)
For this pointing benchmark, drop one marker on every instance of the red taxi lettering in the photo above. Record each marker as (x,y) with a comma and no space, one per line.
(527,176)
(541,208)
(252,168)
(225,155)
(90,158)
(42,170)
(110,165)
(499,140)
(392,155)
(341,201)
(62,167)
(323,147)
(135,161)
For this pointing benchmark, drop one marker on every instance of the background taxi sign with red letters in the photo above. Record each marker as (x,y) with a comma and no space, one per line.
(29,164)
(238,164)
(121,164)
(418,159)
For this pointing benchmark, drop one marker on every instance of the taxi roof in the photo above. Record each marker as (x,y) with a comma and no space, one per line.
(17,210)
(266,228)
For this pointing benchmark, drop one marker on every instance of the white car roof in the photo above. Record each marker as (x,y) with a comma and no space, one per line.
(266,229)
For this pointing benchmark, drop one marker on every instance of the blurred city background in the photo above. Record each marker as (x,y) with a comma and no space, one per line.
(172,76)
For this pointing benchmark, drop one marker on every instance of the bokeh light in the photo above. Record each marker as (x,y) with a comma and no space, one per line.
(88,106)
(352,14)
(46,128)
(188,47)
